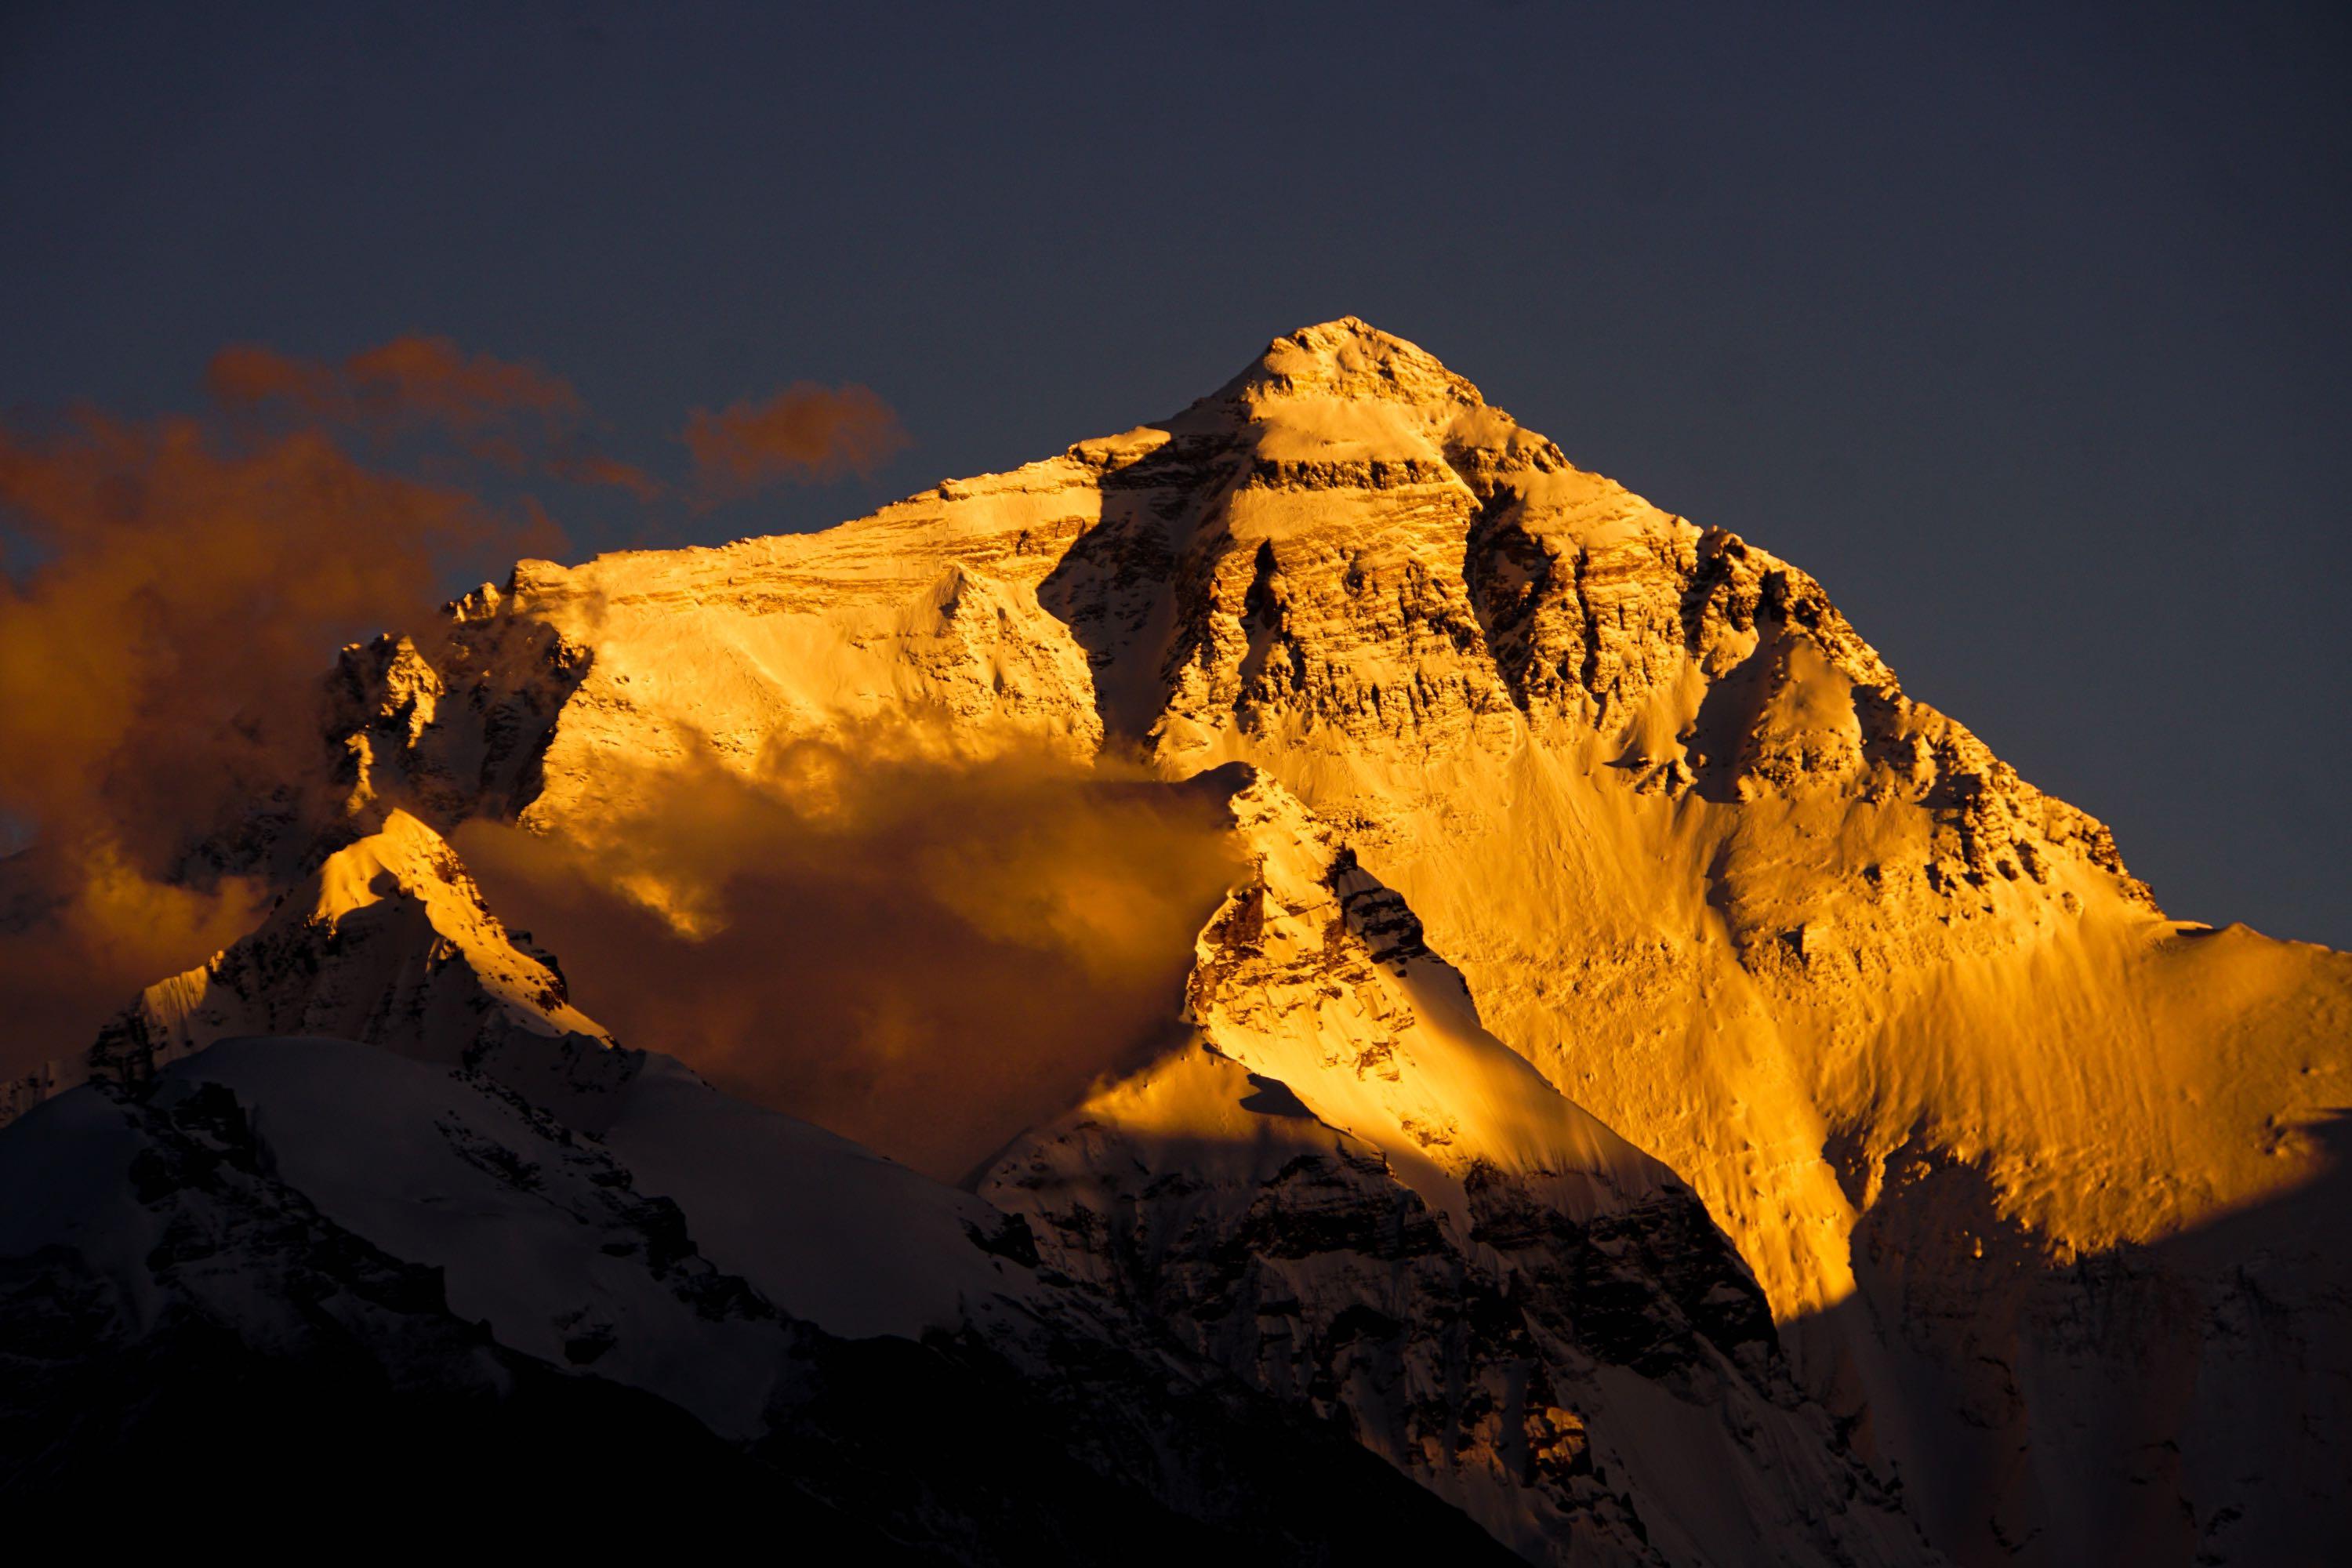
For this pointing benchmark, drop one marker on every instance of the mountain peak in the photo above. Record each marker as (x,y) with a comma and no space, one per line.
(1713,896)
(1350,358)
(339,957)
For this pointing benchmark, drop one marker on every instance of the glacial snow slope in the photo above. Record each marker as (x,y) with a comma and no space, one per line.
(1699,859)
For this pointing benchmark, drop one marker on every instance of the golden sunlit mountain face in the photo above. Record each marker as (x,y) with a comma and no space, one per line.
(1330,780)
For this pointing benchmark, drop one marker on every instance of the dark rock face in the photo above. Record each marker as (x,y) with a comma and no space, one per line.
(455,730)
(1635,1288)
(1476,1365)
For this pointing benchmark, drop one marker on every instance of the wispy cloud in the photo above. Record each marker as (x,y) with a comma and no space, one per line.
(408,380)
(804,432)
(926,956)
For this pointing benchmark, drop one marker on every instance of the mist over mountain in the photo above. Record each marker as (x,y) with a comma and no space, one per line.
(1311,975)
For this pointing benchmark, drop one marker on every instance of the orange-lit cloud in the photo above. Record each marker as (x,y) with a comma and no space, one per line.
(520,418)
(596,468)
(175,593)
(516,418)
(806,431)
(922,956)
(162,652)
(410,379)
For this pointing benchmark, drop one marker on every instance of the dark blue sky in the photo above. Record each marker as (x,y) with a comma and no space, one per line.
(2029,334)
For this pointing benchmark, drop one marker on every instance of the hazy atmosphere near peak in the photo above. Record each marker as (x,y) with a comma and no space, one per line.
(2027,335)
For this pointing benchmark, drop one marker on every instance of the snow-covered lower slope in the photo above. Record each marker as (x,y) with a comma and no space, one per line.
(312,1262)
(829,1231)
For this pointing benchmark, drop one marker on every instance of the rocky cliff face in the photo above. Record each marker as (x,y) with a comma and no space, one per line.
(1489,1289)
(1723,916)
